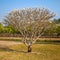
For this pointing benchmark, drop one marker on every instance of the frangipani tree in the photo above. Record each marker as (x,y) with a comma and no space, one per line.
(30,22)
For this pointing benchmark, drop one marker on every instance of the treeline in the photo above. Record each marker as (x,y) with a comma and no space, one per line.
(8,31)
(55,32)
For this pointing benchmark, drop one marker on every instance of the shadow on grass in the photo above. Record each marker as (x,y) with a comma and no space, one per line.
(57,42)
(11,50)
(18,51)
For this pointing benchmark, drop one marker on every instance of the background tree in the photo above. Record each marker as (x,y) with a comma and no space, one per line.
(51,32)
(57,21)
(30,22)
(1,28)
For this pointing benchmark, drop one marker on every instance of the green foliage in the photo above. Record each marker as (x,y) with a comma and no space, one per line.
(49,32)
(58,31)
(7,30)
(1,28)
(57,20)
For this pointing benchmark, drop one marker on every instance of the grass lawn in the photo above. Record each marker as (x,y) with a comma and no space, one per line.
(39,52)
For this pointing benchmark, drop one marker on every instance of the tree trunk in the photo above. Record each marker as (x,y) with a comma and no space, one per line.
(29,48)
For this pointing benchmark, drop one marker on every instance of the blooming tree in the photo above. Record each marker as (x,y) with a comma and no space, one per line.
(30,22)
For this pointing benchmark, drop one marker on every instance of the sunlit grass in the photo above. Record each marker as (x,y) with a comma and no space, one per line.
(39,52)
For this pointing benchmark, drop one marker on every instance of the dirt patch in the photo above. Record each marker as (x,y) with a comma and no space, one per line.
(8,43)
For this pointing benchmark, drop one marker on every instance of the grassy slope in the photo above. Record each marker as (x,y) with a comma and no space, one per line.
(39,52)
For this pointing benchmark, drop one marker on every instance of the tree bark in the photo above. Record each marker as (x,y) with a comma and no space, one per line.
(29,48)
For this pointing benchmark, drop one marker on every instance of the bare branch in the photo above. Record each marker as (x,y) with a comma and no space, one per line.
(30,22)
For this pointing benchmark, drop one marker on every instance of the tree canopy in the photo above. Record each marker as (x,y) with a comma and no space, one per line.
(30,22)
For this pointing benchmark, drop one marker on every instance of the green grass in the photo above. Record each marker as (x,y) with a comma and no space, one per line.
(39,52)
(38,41)
(8,39)
(48,41)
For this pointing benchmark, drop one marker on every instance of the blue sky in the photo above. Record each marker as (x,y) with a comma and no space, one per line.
(8,5)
